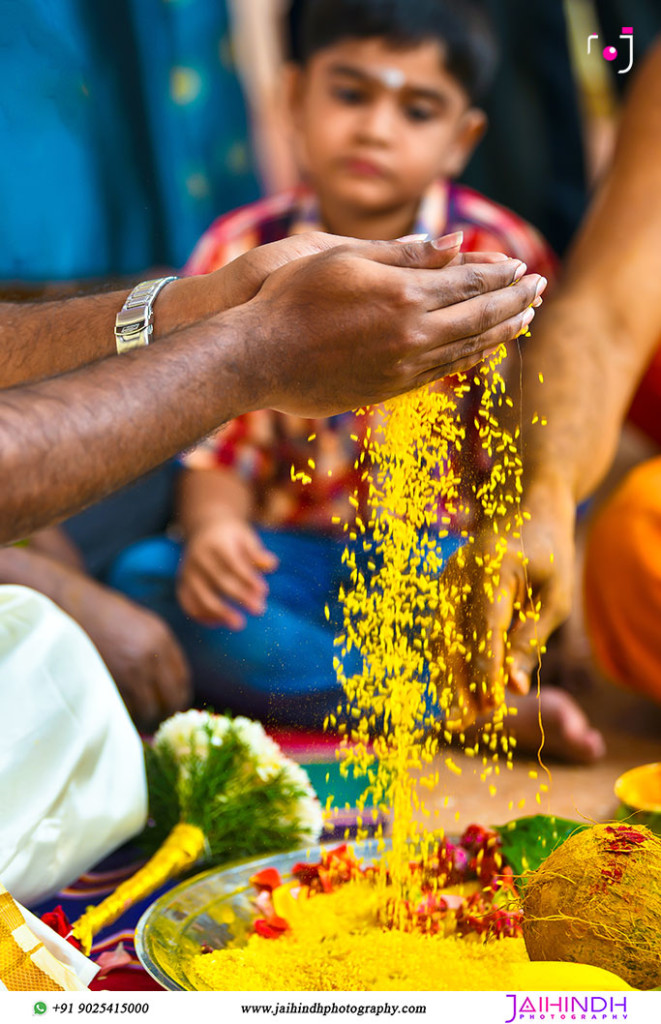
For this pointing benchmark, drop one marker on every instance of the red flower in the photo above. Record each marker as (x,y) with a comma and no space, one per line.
(487,865)
(305,874)
(271,929)
(477,838)
(59,922)
(335,867)
(267,878)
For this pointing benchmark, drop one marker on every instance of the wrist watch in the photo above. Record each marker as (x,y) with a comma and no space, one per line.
(134,322)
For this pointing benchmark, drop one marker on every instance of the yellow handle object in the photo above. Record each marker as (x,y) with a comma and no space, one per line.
(182,848)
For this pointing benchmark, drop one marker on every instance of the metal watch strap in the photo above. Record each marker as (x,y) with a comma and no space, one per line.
(133,324)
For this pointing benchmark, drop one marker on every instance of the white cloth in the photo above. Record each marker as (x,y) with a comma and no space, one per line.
(72,777)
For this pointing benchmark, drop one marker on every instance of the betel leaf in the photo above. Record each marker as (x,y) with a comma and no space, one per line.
(527,842)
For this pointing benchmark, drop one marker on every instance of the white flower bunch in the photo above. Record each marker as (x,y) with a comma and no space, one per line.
(196,732)
(191,732)
(307,812)
(268,759)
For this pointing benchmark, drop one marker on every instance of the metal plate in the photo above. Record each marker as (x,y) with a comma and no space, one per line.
(213,909)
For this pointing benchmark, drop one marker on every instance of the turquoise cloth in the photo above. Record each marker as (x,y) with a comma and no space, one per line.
(123,133)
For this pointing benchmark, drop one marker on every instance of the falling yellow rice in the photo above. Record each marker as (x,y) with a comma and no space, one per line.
(404,618)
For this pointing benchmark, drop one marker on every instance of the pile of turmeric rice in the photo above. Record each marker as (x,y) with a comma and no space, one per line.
(336,944)
(372,961)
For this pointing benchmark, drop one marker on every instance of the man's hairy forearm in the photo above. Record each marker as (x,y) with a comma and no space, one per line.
(89,432)
(43,339)
(593,341)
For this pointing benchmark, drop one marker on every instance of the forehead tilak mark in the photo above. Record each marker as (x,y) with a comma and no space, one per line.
(391,78)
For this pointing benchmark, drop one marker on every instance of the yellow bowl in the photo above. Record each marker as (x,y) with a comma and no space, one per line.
(639,793)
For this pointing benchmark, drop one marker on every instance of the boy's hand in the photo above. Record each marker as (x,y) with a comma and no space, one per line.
(222,567)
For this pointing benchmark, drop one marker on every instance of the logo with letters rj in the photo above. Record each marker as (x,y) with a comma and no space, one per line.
(611,53)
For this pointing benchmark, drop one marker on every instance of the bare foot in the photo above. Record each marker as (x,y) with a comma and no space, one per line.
(568,735)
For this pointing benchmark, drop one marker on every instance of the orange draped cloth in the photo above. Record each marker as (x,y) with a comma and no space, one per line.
(622,582)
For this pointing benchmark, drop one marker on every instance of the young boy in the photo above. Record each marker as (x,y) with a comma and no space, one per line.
(383,107)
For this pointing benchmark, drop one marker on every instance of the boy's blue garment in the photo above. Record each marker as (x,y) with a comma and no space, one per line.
(280,667)
(123,133)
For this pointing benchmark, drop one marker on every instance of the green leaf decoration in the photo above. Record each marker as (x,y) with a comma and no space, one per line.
(218,786)
(527,842)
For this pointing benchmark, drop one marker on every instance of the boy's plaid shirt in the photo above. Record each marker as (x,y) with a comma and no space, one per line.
(262,447)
